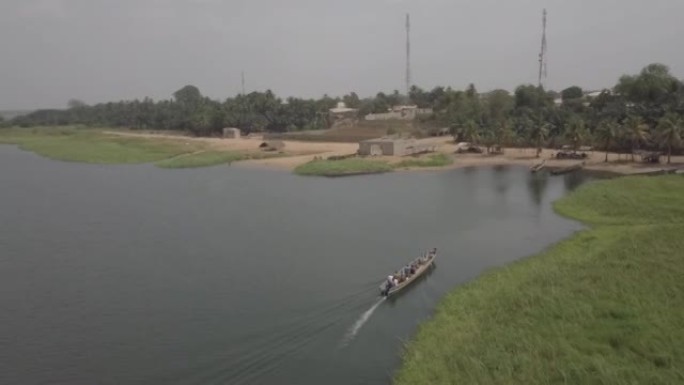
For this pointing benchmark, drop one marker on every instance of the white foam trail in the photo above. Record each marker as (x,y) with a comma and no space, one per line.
(360,322)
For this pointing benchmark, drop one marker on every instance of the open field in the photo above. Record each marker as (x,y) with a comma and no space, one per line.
(103,147)
(364,130)
(604,307)
(90,146)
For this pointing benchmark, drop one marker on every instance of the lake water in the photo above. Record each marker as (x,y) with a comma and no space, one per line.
(228,275)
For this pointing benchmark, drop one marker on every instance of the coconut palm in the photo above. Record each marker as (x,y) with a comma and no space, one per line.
(503,134)
(607,133)
(470,132)
(670,132)
(575,132)
(636,131)
(538,134)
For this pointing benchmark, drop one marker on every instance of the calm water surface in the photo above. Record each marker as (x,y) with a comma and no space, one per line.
(227,275)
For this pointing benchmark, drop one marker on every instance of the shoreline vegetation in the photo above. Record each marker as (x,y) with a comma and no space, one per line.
(73,144)
(361,166)
(344,167)
(604,306)
(643,111)
(102,146)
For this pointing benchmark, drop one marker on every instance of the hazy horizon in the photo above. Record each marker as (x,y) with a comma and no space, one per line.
(56,50)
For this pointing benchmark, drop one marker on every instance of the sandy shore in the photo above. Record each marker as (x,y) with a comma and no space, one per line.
(296,153)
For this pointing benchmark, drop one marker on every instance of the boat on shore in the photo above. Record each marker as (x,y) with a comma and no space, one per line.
(565,170)
(420,266)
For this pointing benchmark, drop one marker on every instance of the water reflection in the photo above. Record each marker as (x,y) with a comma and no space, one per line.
(573,180)
(501,179)
(537,183)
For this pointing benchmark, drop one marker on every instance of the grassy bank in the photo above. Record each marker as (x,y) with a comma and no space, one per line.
(94,146)
(355,166)
(350,166)
(604,307)
(436,160)
(202,159)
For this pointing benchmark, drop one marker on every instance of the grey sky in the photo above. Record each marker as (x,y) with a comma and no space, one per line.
(97,50)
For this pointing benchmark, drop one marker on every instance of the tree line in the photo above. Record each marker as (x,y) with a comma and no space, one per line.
(642,111)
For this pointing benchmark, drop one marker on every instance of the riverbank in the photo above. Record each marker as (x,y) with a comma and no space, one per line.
(173,150)
(298,153)
(605,306)
(75,144)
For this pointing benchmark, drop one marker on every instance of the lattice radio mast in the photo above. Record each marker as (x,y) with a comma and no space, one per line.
(408,54)
(542,53)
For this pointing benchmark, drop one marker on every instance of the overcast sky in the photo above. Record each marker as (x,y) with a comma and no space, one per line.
(108,50)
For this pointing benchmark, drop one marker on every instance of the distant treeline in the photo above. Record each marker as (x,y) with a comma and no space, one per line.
(642,111)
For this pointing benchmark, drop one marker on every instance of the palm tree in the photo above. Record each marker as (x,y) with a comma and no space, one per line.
(636,131)
(470,132)
(606,133)
(575,132)
(670,132)
(503,134)
(538,134)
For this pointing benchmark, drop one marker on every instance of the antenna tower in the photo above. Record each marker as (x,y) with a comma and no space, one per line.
(243,82)
(408,55)
(542,53)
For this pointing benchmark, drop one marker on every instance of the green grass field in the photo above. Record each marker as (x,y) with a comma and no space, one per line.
(350,166)
(436,160)
(604,307)
(85,145)
(92,146)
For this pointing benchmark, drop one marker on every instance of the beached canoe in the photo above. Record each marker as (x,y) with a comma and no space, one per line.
(420,271)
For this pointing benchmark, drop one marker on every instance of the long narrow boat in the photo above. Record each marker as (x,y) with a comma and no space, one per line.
(422,268)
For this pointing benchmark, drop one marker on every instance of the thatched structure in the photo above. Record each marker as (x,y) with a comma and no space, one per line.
(272,145)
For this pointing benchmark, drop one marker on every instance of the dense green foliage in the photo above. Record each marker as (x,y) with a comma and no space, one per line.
(642,111)
(605,307)
(349,166)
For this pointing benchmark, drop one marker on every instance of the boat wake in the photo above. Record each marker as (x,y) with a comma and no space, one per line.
(360,322)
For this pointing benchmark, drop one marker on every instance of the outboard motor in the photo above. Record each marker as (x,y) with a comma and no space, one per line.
(384,289)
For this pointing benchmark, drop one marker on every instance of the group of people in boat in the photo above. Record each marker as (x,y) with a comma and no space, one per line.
(409,270)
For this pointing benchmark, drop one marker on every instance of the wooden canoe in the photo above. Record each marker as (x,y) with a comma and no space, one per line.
(420,271)
(568,169)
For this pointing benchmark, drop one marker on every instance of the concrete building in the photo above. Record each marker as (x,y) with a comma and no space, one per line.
(231,133)
(343,115)
(400,113)
(393,147)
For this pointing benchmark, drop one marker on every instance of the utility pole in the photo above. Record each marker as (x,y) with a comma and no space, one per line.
(243,82)
(542,53)
(408,55)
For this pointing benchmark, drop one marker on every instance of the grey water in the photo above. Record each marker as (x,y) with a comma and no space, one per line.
(131,274)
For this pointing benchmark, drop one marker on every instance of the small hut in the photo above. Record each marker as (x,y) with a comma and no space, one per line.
(272,145)
(231,133)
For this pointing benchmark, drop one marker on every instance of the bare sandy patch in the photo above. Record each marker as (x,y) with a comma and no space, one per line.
(296,153)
